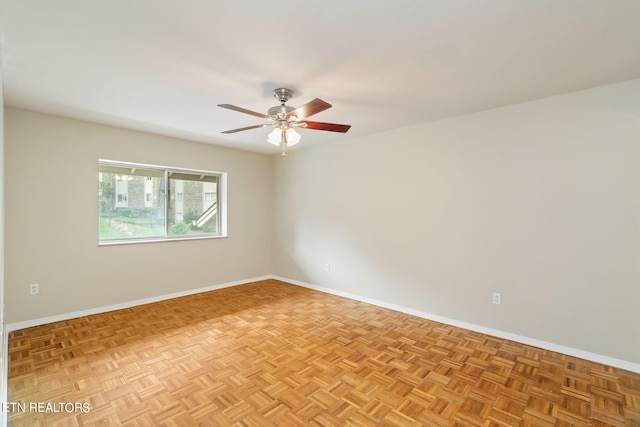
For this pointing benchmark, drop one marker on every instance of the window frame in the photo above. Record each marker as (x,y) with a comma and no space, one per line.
(220,200)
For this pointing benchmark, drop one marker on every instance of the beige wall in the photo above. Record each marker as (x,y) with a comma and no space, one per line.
(52,218)
(3,347)
(538,201)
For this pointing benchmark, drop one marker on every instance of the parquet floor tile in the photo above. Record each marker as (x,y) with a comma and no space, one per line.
(274,354)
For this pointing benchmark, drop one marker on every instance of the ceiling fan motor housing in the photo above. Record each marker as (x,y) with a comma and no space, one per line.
(280,111)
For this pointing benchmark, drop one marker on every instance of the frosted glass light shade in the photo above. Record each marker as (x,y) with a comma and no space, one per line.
(275,137)
(293,137)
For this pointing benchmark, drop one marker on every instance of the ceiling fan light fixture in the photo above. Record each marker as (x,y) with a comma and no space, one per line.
(291,136)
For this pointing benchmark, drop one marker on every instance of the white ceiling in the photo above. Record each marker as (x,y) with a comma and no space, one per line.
(164,65)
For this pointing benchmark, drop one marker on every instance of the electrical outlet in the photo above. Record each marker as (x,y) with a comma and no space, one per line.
(34,289)
(497,298)
(327,268)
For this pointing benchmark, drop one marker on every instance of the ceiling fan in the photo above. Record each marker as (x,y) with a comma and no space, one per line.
(285,118)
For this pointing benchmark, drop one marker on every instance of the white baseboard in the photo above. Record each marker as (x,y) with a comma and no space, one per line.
(593,357)
(569,351)
(128,304)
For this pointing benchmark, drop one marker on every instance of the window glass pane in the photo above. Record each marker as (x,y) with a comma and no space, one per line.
(193,204)
(131,203)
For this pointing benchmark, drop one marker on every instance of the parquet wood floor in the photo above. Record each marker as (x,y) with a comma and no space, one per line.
(271,353)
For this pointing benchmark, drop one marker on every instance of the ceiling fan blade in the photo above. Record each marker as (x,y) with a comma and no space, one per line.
(333,127)
(245,128)
(309,109)
(242,110)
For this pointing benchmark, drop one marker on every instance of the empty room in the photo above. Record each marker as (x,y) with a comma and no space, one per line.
(320,213)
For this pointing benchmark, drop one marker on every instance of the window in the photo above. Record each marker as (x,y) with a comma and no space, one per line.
(143,202)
